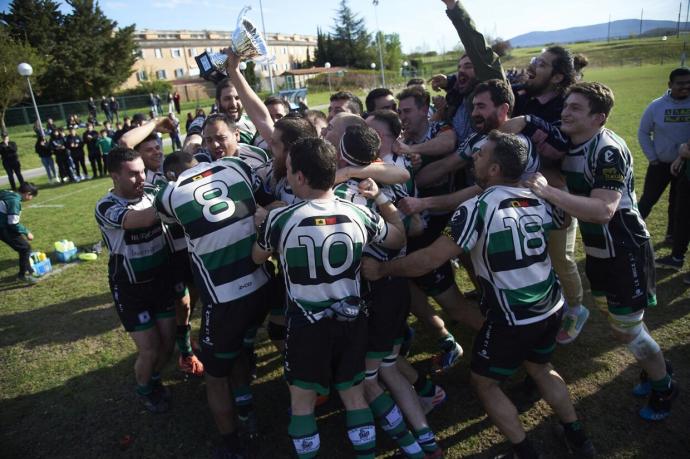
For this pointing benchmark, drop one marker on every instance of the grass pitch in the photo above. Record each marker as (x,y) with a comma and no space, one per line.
(67,386)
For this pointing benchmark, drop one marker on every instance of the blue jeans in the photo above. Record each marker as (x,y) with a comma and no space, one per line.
(49,166)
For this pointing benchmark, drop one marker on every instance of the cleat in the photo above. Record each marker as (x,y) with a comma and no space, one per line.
(429,403)
(658,407)
(223,452)
(190,365)
(28,279)
(154,402)
(249,425)
(572,325)
(585,451)
(442,362)
(644,387)
(669,262)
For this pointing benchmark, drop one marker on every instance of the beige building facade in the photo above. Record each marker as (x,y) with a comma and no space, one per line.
(169,55)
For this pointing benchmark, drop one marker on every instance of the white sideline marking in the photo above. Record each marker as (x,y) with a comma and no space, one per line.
(38,206)
(68,194)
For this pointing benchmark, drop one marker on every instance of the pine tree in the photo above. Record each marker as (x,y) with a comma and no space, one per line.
(351,38)
(88,55)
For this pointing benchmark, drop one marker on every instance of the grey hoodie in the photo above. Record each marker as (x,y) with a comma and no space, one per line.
(665,124)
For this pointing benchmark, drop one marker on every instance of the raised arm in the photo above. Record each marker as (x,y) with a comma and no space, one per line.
(135,136)
(380,172)
(254,106)
(487,64)
(431,173)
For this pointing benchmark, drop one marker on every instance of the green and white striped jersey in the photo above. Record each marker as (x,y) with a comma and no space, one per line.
(475,142)
(320,243)
(215,205)
(349,191)
(136,255)
(503,229)
(605,162)
(174,234)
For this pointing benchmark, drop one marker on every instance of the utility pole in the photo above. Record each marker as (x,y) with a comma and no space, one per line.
(379,40)
(608,34)
(641,19)
(687,13)
(680,9)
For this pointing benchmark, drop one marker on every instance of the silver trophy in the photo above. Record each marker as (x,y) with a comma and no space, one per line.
(246,42)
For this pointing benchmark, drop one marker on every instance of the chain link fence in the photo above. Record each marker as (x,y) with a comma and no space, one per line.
(25,115)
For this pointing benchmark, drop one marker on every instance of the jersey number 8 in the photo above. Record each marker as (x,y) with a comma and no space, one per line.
(215,201)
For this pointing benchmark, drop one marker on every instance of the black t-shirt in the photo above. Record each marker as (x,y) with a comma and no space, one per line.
(43,149)
(528,105)
(58,145)
(75,145)
(90,138)
(8,152)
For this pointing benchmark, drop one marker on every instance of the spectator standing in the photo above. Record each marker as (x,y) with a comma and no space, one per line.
(50,127)
(175,133)
(43,150)
(114,108)
(58,146)
(91,106)
(157,100)
(188,122)
(664,126)
(176,102)
(152,104)
(75,145)
(105,106)
(171,105)
(10,161)
(90,138)
(104,144)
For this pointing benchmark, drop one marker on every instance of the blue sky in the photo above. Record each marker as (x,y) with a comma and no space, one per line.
(422,24)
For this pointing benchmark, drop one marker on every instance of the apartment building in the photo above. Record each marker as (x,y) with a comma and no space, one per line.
(169,54)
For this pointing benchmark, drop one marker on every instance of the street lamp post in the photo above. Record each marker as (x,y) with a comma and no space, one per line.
(405,64)
(327,66)
(263,28)
(26,70)
(373,67)
(379,39)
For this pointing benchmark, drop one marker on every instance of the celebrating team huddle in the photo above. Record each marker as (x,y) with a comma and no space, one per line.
(347,225)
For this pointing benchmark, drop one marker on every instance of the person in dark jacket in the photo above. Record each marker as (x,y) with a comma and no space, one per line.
(10,160)
(105,106)
(43,150)
(75,145)
(90,138)
(12,232)
(58,146)
(114,109)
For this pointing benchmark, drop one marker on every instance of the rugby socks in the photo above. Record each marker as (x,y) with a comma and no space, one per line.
(155,380)
(574,433)
(427,440)
(182,337)
(244,401)
(304,435)
(144,390)
(423,386)
(249,338)
(525,450)
(447,343)
(361,431)
(391,421)
(662,385)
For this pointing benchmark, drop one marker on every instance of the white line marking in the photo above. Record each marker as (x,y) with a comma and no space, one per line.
(38,206)
(70,194)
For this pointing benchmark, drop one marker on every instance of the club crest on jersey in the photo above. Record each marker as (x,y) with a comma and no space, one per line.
(520,203)
(202,175)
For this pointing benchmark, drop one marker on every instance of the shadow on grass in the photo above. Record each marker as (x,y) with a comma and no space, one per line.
(62,322)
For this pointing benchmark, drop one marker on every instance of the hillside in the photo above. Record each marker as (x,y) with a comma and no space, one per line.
(624,28)
(600,54)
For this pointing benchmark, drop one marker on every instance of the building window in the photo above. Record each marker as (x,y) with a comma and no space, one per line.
(176,52)
(160,74)
(179,73)
(264,67)
(141,75)
(193,71)
(284,50)
(191,52)
(158,52)
(209,50)
(138,53)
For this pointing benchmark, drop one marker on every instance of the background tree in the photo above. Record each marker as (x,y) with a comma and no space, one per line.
(88,55)
(392,51)
(13,88)
(501,47)
(36,22)
(351,39)
(250,76)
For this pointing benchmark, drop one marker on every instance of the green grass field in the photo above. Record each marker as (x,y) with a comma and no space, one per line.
(67,387)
